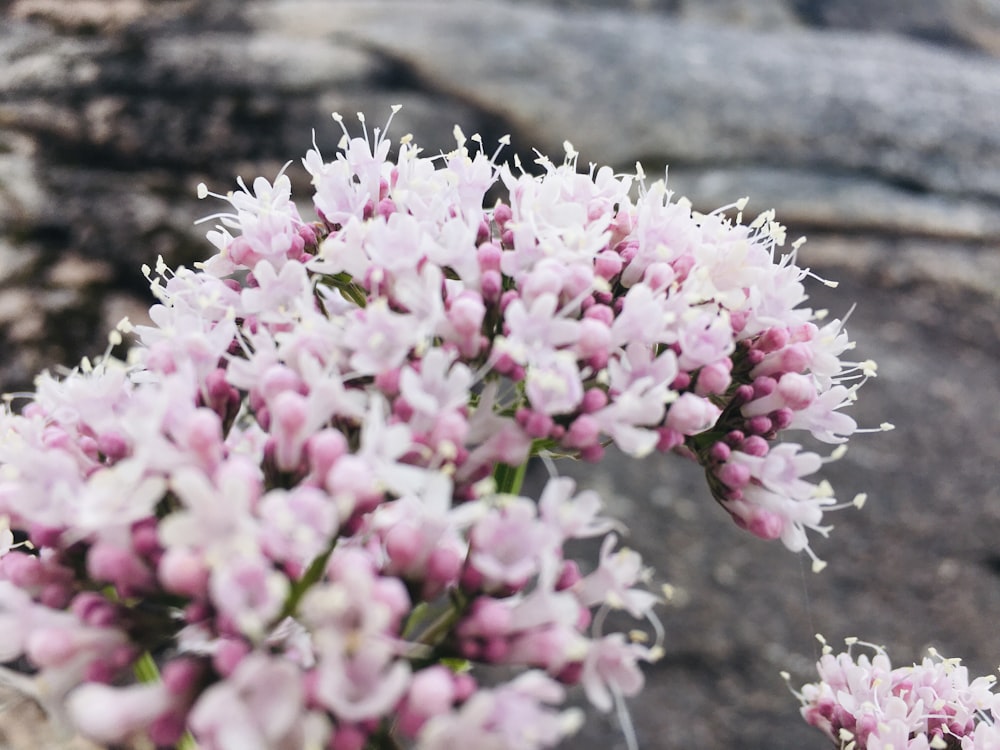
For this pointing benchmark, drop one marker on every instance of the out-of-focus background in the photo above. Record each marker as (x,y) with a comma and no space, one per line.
(872,126)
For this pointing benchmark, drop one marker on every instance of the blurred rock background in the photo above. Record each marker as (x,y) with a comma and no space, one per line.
(872,126)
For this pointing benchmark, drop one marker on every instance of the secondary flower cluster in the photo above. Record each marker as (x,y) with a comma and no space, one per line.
(300,494)
(862,703)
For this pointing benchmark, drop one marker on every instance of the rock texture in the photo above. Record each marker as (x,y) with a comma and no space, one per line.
(869,124)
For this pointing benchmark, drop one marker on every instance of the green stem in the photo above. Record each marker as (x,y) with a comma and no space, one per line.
(509,478)
(313,573)
(444,622)
(383,741)
(146,671)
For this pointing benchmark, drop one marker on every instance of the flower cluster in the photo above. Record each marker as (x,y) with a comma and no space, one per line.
(299,496)
(862,703)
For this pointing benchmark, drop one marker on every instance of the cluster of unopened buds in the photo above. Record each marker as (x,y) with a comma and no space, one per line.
(863,703)
(294,511)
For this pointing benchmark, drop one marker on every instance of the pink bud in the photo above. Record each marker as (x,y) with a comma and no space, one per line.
(121,567)
(720,452)
(51,646)
(659,275)
(180,676)
(496,650)
(491,285)
(93,609)
(782,418)
(466,314)
(797,390)
(764,386)
(386,208)
(113,445)
(166,730)
(569,575)
(289,417)
(669,439)
(489,256)
(444,566)
(628,250)
(183,571)
(579,280)
(228,655)
(323,450)
(202,434)
(109,714)
(432,691)
(464,685)
(583,432)
(403,544)
(714,378)
(594,339)
(754,445)
(593,400)
(502,214)
(734,475)
(490,618)
(392,593)
(608,264)
(683,265)
(691,414)
(601,313)
(765,524)
(772,340)
(759,425)
(387,381)
(348,737)
(278,378)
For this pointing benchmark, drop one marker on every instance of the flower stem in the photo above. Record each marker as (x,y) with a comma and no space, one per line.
(146,671)
(509,478)
(313,573)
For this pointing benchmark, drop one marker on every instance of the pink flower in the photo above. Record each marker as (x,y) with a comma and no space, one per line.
(259,707)
(296,524)
(923,706)
(611,667)
(358,684)
(613,581)
(108,715)
(514,716)
(380,339)
(250,591)
(509,543)
(553,384)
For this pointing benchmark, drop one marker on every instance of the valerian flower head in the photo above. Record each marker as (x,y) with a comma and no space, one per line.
(865,703)
(300,492)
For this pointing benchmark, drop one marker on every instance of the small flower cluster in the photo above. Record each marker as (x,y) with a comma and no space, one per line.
(862,703)
(299,496)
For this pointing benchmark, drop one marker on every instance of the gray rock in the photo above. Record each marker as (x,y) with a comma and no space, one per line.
(971,23)
(827,202)
(626,87)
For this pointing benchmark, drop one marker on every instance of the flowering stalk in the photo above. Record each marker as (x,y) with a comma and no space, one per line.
(300,492)
(863,703)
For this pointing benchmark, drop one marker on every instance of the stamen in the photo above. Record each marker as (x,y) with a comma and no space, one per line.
(624,718)
(549,464)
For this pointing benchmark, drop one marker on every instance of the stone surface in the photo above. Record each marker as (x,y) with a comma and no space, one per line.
(699,94)
(969,23)
(870,125)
